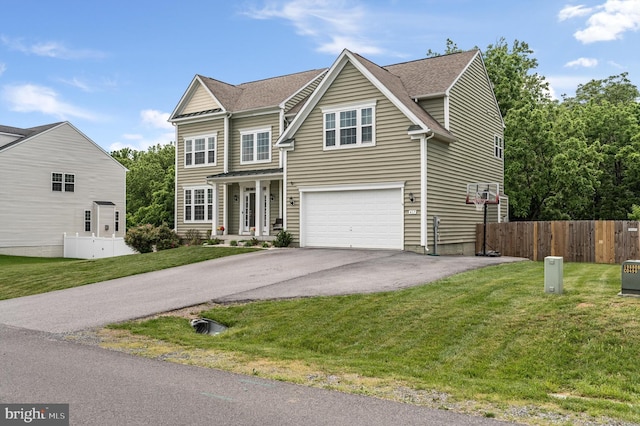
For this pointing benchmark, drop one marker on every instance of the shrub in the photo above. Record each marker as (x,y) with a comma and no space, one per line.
(252,242)
(193,237)
(166,238)
(233,243)
(141,238)
(146,238)
(265,245)
(283,239)
(213,241)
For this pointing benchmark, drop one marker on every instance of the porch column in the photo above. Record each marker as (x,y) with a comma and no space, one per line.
(225,208)
(214,210)
(259,213)
(266,215)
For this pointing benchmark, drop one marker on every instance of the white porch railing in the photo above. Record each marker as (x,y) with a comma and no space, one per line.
(94,247)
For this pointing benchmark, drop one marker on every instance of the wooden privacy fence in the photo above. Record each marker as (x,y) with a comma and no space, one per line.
(594,241)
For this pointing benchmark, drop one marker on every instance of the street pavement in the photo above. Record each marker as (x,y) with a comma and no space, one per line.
(38,365)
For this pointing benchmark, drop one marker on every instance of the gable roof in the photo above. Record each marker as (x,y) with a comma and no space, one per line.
(402,84)
(268,93)
(22,134)
(432,76)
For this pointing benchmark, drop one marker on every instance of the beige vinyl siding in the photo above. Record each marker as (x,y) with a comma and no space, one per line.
(32,216)
(201,100)
(196,176)
(435,107)
(394,158)
(474,120)
(238,125)
(302,94)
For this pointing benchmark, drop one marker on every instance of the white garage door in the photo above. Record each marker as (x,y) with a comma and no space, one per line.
(354,218)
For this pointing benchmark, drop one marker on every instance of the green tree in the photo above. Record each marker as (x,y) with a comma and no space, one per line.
(150,184)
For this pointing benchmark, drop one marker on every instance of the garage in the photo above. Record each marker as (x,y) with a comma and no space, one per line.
(352,218)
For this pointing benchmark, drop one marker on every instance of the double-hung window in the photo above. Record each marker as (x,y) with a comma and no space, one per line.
(198,204)
(87,220)
(63,182)
(255,146)
(349,125)
(498,146)
(200,150)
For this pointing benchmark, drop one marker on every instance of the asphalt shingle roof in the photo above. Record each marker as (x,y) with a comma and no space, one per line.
(23,133)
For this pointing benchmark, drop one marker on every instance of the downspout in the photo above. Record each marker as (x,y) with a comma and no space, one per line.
(225,189)
(423,190)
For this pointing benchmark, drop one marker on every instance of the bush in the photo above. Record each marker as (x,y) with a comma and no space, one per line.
(193,237)
(166,238)
(283,239)
(233,243)
(141,238)
(146,238)
(213,241)
(252,242)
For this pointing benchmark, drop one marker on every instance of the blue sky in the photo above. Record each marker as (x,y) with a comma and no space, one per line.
(116,69)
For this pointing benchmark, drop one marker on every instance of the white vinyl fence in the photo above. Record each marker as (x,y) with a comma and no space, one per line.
(94,247)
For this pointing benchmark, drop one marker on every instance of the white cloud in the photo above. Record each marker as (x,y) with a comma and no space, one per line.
(582,62)
(80,84)
(3,68)
(50,49)
(332,23)
(607,22)
(565,84)
(33,98)
(157,119)
(569,12)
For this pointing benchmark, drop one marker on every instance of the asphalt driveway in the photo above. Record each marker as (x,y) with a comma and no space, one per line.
(269,274)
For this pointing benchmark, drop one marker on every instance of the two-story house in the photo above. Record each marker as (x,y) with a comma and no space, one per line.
(357,155)
(55,180)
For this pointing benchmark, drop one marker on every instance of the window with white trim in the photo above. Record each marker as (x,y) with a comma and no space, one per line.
(63,182)
(255,146)
(87,220)
(349,126)
(498,146)
(198,204)
(200,150)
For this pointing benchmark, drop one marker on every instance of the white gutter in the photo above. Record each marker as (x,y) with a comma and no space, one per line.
(175,184)
(227,142)
(423,190)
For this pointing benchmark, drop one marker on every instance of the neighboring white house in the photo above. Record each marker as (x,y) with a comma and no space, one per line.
(55,180)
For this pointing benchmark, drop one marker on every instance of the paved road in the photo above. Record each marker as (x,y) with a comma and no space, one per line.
(269,274)
(109,388)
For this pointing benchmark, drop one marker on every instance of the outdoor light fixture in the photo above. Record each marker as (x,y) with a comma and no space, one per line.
(411,197)
(235,198)
(272,197)
(291,200)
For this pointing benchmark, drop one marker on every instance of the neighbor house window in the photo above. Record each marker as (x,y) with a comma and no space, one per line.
(498,146)
(255,146)
(198,204)
(349,126)
(87,220)
(63,182)
(200,150)
(117,220)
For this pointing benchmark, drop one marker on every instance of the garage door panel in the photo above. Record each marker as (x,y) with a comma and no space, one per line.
(362,219)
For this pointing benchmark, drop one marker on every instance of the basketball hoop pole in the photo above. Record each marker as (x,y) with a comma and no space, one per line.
(484,232)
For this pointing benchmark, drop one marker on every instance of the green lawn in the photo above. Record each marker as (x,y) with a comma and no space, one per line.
(23,276)
(490,335)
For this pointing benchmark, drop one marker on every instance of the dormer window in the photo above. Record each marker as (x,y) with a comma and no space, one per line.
(349,126)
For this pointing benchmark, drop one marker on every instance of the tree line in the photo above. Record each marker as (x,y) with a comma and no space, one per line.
(574,158)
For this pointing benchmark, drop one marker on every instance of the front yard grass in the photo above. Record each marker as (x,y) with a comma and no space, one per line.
(491,336)
(24,276)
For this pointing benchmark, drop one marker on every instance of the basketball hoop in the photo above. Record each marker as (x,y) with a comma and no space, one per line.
(479,200)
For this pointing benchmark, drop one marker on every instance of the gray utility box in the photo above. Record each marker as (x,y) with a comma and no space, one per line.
(553,270)
(631,277)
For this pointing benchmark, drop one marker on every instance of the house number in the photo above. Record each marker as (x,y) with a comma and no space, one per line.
(413,211)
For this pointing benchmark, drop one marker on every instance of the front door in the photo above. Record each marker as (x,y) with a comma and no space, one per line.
(249,210)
